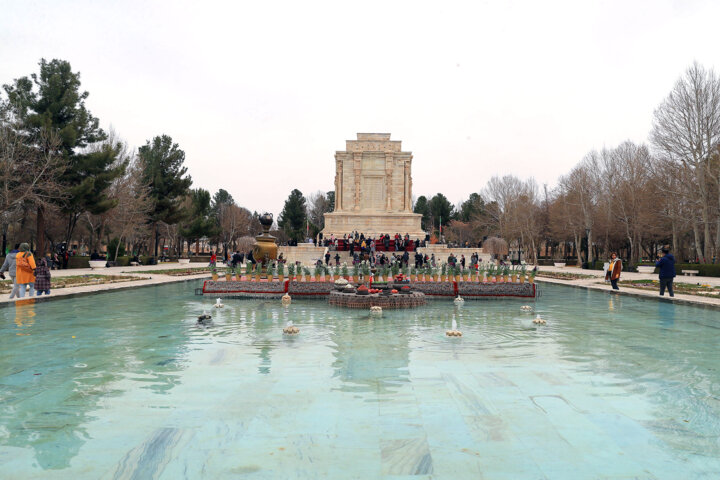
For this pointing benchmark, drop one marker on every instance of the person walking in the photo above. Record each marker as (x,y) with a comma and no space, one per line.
(666,265)
(25,270)
(42,278)
(613,271)
(9,266)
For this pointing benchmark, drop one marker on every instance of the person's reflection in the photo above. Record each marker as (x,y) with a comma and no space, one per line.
(666,314)
(24,314)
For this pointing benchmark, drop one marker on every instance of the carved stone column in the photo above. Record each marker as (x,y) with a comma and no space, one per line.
(357,163)
(338,184)
(388,180)
(408,187)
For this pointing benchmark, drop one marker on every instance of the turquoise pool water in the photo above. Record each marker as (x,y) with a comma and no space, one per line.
(126,385)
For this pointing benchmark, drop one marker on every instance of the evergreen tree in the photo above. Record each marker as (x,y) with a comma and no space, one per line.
(293,216)
(53,100)
(331,200)
(421,207)
(472,208)
(200,221)
(441,209)
(161,163)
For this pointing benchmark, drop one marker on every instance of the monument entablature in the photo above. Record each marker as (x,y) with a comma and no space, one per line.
(373,188)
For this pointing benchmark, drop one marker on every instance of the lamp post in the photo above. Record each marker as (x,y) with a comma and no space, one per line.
(586,264)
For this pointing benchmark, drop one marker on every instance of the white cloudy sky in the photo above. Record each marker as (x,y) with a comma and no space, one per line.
(261,94)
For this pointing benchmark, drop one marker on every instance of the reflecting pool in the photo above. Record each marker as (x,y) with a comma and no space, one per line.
(127,385)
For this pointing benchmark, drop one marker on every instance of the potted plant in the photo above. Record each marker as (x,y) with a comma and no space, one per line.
(238,273)
(356,273)
(481,275)
(213,271)
(317,272)
(443,272)
(531,278)
(228,274)
(306,273)
(258,271)
(366,271)
(269,271)
(281,272)
(523,272)
(336,271)
(291,272)
(513,275)
(491,271)
(345,273)
(248,271)
(506,274)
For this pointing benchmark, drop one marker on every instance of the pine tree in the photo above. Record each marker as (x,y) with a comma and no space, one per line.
(53,100)
(293,217)
(161,163)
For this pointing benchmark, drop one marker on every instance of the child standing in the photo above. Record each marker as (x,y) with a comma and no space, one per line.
(42,278)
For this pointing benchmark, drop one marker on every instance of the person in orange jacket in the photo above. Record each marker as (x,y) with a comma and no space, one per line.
(613,271)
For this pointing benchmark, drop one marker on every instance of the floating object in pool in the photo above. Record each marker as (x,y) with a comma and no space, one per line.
(526,308)
(453,332)
(204,318)
(218,304)
(291,329)
(376,310)
(539,321)
(286,299)
(458,300)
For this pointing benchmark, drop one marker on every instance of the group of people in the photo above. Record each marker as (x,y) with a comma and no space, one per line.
(25,273)
(359,242)
(665,262)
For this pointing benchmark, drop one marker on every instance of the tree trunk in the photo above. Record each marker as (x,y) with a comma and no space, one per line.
(698,245)
(40,231)
(155,235)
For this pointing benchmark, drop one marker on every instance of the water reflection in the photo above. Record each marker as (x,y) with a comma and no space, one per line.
(371,355)
(69,354)
(656,349)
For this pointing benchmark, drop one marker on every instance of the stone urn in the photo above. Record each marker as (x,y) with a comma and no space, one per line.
(265,248)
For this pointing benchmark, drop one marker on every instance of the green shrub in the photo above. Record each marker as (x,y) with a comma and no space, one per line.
(112,246)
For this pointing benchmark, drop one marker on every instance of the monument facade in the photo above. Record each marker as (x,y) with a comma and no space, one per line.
(373,189)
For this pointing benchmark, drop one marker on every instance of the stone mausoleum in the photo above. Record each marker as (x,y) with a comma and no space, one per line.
(373,189)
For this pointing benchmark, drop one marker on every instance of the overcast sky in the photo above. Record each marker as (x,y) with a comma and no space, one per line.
(261,94)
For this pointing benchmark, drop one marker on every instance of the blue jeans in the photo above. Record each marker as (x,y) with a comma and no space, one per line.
(21,289)
(40,292)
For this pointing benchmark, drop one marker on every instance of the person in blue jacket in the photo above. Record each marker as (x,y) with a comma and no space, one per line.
(666,266)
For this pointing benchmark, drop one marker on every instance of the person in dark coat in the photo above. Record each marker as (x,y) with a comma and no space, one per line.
(42,277)
(666,266)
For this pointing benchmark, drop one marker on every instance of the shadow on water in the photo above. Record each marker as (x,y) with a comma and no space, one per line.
(61,358)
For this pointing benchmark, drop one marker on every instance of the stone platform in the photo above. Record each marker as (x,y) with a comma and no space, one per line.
(393,301)
(276,289)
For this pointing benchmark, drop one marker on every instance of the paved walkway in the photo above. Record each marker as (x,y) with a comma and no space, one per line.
(598,276)
(145,279)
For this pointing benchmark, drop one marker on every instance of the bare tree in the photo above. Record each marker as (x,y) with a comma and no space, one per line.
(133,205)
(686,130)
